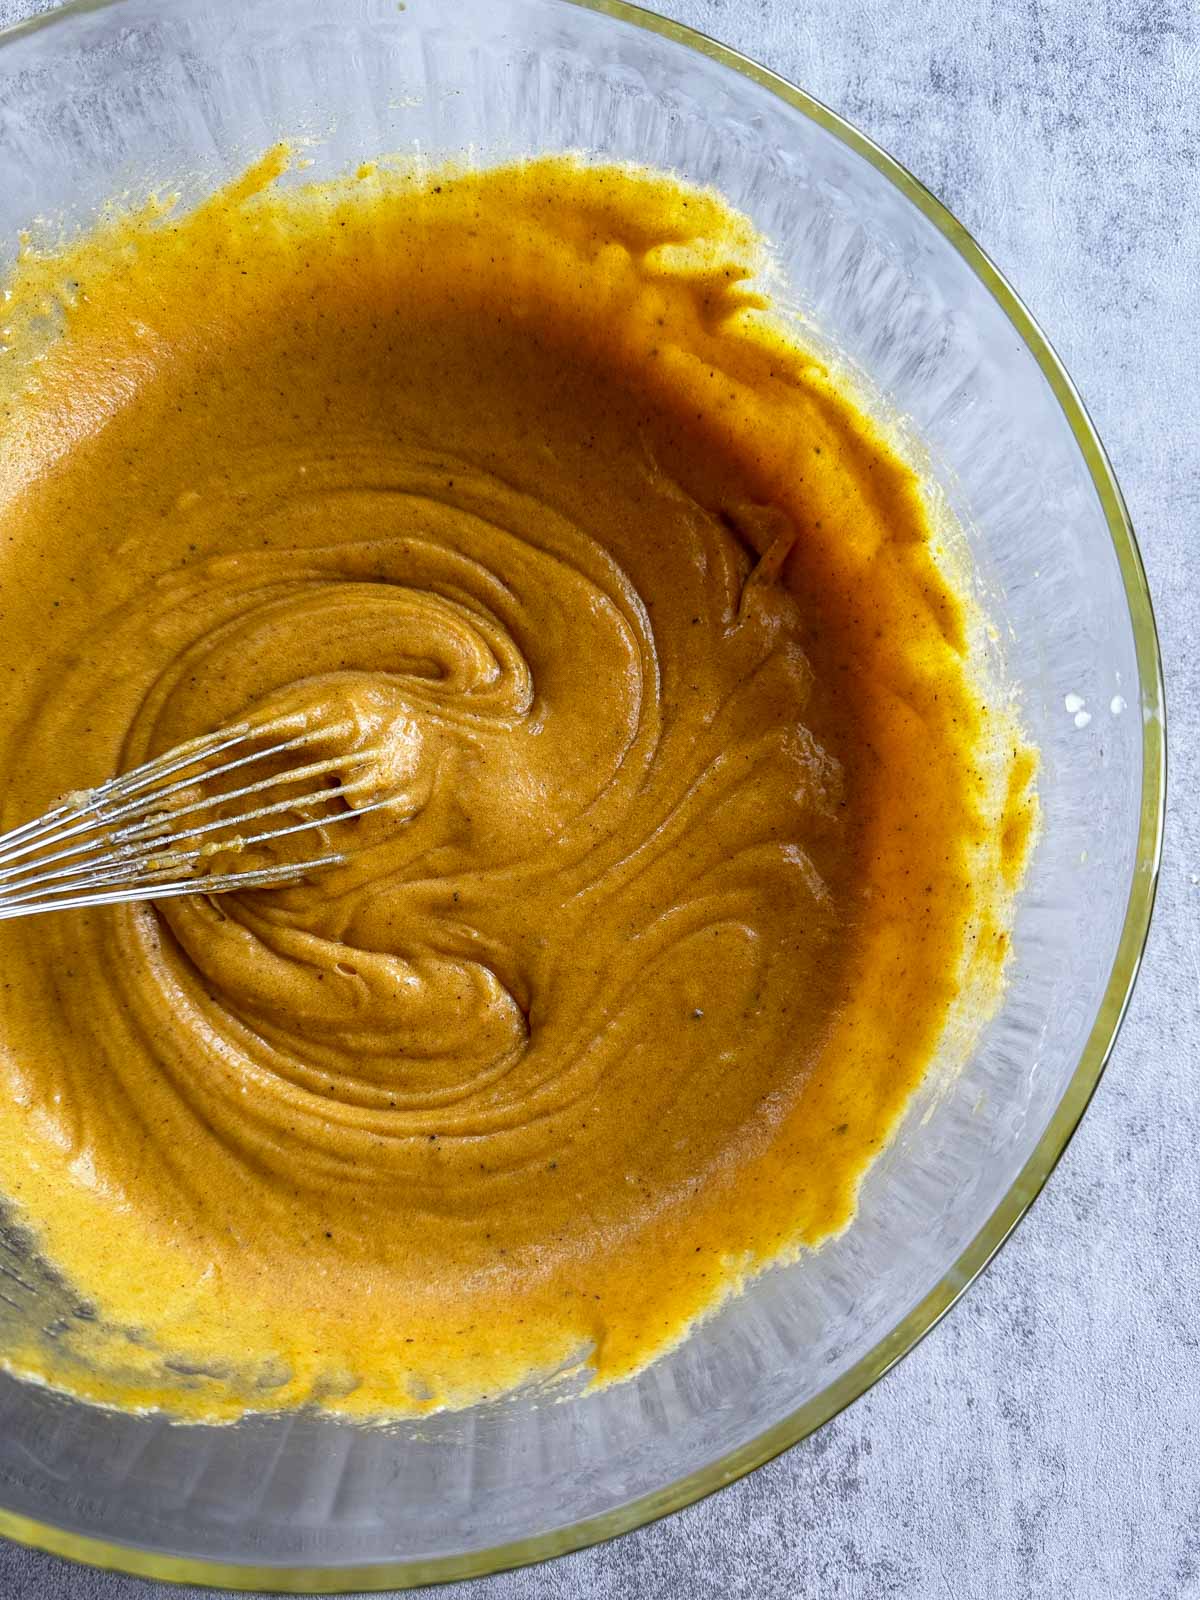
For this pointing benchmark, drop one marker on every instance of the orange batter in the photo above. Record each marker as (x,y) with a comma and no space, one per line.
(705,823)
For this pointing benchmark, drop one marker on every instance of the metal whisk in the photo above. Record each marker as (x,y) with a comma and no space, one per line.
(170,826)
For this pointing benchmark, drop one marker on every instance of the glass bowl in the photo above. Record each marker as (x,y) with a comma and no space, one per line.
(100,99)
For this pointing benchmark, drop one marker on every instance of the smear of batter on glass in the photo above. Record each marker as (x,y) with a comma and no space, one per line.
(707,821)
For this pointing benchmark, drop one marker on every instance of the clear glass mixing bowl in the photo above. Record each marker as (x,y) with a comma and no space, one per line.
(103,98)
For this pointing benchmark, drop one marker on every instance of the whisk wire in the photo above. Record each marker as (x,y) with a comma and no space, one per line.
(273,877)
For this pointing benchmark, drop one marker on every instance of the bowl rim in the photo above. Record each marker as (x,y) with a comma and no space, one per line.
(908,1332)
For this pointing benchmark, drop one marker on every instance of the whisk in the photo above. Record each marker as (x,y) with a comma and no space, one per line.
(170,826)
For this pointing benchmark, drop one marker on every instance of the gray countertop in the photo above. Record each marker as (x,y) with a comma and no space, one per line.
(1041,1441)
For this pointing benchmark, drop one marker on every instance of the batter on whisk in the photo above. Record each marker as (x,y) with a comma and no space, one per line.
(711,821)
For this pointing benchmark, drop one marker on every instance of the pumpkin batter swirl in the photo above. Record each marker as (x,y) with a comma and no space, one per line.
(701,823)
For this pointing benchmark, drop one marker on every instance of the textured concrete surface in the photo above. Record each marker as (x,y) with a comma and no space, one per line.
(1042,1441)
